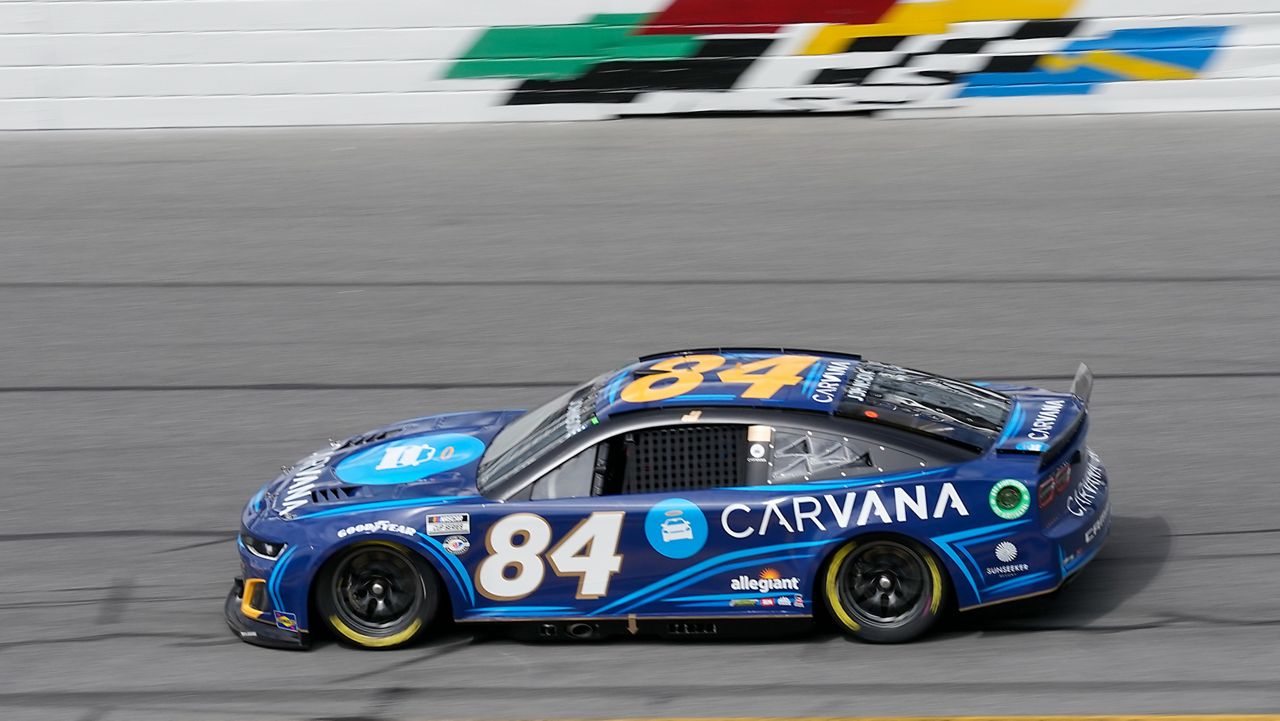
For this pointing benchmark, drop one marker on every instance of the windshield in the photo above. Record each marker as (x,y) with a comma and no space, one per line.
(526,438)
(931,404)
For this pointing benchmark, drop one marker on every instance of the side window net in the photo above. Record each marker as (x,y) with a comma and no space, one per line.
(684,458)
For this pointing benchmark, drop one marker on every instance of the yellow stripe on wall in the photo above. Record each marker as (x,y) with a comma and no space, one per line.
(1129,67)
(1136,68)
(934,18)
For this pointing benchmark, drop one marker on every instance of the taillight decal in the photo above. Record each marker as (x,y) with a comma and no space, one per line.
(1055,485)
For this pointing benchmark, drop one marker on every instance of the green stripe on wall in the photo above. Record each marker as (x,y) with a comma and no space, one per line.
(557,52)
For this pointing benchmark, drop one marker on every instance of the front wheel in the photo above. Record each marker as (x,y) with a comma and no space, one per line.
(884,590)
(377,595)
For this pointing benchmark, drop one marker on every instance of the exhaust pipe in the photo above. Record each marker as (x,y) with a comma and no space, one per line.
(580,630)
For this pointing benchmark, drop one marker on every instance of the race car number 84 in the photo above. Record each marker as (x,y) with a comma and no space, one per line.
(763,378)
(514,567)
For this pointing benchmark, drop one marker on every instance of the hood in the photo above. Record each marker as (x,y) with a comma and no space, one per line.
(422,457)
(1041,421)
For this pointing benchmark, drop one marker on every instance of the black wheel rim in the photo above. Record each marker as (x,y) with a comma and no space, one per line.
(884,584)
(377,591)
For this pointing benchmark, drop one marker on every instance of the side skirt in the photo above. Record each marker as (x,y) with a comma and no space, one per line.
(592,628)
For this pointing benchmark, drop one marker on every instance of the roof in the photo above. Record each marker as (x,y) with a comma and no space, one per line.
(783,378)
(805,380)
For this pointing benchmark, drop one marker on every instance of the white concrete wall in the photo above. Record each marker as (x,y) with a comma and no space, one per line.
(173,63)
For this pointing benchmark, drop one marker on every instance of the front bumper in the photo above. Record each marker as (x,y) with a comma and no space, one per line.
(262,631)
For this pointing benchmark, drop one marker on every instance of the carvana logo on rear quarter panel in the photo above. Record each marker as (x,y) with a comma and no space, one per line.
(409,459)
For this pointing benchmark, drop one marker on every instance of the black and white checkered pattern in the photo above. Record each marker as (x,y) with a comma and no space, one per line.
(898,60)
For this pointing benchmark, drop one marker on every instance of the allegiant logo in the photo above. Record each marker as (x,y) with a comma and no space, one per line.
(769,580)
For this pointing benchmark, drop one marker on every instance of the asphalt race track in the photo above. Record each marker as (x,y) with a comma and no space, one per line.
(183,312)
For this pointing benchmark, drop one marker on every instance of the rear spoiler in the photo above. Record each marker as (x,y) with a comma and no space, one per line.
(1082,386)
(1043,424)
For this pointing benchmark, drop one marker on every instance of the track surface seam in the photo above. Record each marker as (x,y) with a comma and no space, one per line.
(640,283)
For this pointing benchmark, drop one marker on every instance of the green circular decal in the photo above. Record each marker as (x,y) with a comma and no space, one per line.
(1010,499)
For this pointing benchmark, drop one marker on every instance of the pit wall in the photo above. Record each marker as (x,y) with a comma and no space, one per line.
(174,63)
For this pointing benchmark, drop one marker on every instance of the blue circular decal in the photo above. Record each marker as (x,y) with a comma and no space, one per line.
(676,528)
(409,459)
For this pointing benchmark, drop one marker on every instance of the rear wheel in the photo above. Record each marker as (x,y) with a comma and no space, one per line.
(378,595)
(884,590)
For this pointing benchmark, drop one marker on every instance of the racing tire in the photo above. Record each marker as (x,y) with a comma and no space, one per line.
(378,595)
(884,590)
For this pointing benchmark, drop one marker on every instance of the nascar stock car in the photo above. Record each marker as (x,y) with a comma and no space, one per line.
(679,493)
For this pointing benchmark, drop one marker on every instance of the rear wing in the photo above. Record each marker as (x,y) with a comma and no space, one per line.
(1044,423)
(1082,386)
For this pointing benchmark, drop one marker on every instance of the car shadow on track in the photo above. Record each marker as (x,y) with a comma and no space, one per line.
(1133,557)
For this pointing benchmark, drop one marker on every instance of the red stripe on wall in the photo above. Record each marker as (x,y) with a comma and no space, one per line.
(705,17)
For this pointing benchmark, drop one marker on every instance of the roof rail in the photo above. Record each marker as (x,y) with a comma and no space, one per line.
(751,349)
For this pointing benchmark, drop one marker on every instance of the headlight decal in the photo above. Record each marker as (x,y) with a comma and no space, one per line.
(268,550)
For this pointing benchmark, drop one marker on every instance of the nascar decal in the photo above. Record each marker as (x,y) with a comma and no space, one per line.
(448,524)
(795,514)
(409,459)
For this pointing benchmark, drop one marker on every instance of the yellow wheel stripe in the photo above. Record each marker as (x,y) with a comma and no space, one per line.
(833,594)
(375,641)
(937,583)
(833,573)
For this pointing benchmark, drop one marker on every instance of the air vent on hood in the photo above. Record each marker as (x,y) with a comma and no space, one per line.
(337,493)
(367,438)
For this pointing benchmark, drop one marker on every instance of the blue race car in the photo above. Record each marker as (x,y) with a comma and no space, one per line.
(679,493)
